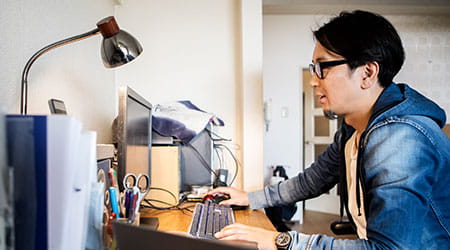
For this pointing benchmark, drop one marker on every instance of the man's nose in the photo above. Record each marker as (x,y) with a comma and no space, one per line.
(314,81)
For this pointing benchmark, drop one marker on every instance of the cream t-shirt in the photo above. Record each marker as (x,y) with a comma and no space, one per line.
(351,156)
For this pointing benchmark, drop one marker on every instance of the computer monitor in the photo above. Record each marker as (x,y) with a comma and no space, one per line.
(132,133)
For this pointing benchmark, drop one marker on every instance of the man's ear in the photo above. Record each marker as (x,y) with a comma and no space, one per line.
(370,74)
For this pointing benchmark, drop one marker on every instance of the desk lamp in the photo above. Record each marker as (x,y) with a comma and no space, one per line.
(118,48)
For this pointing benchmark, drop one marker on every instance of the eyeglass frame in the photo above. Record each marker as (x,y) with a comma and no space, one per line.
(316,68)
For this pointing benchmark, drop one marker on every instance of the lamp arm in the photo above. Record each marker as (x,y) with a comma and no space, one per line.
(24,90)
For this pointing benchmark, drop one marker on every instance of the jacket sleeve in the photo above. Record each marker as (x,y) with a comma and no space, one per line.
(400,164)
(320,177)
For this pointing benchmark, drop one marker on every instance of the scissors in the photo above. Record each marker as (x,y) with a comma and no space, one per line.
(136,188)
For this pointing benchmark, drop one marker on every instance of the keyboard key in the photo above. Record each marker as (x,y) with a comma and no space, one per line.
(195,219)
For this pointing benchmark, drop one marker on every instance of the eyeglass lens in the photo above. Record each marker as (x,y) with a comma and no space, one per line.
(315,68)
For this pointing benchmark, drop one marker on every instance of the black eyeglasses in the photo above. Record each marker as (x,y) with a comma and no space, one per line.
(319,66)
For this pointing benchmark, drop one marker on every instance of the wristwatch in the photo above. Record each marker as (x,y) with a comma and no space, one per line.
(283,240)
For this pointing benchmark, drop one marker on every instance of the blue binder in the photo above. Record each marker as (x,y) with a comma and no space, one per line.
(27,154)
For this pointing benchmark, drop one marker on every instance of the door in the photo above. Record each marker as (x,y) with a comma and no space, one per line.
(318,134)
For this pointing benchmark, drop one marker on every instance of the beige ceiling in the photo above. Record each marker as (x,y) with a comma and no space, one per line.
(386,7)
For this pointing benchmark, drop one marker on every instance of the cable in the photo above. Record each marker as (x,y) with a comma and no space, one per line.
(176,207)
(219,158)
(169,206)
(167,191)
(219,138)
(160,201)
(177,201)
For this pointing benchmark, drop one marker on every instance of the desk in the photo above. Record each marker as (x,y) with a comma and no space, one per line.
(177,220)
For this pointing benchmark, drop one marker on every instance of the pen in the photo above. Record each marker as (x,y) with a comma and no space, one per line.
(113,176)
(116,183)
(130,204)
(127,202)
(114,204)
(133,207)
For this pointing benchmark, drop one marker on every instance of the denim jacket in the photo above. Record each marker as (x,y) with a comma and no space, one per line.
(404,169)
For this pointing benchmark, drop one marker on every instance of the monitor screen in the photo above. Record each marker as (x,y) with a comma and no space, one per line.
(133,134)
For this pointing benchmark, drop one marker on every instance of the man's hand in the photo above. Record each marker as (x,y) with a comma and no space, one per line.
(264,238)
(237,197)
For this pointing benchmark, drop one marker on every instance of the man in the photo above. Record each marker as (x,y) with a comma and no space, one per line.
(390,157)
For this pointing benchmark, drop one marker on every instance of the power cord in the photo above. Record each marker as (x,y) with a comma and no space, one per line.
(169,206)
(218,137)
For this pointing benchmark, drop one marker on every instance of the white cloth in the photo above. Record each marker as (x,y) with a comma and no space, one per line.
(181,119)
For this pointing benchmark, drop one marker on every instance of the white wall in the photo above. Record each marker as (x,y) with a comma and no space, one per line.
(73,73)
(209,52)
(198,51)
(427,46)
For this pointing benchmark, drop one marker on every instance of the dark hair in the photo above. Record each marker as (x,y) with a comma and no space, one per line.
(363,37)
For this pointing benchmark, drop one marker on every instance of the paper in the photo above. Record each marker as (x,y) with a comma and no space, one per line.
(54,162)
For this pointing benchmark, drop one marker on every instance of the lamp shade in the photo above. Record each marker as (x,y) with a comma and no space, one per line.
(118,46)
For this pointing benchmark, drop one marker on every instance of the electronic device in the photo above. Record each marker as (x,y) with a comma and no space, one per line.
(215,199)
(57,106)
(268,113)
(219,198)
(198,193)
(133,134)
(221,178)
(132,237)
(158,139)
(196,166)
(209,218)
(105,151)
(194,159)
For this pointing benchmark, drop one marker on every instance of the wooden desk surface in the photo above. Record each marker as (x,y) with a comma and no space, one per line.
(179,220)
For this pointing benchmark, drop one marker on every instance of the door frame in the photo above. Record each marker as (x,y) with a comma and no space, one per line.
(328,202)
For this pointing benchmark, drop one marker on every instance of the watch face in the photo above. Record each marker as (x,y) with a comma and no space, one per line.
(283,239)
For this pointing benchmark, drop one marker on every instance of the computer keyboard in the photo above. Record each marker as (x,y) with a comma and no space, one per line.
(209,218)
